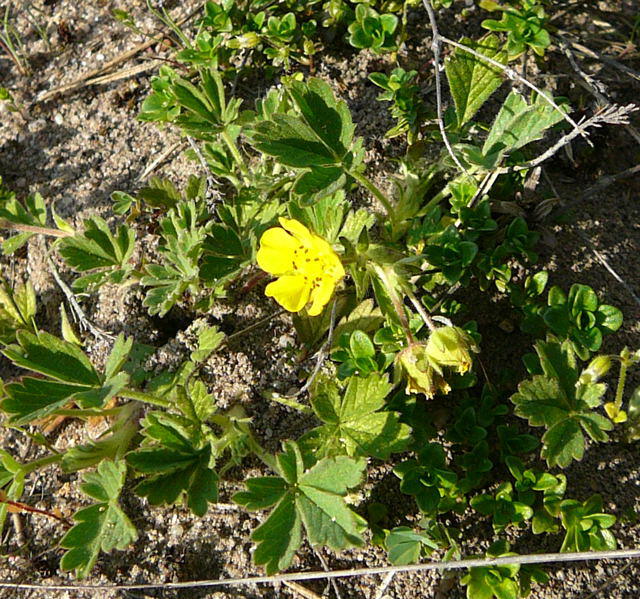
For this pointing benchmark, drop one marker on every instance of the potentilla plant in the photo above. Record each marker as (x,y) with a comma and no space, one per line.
(371,291)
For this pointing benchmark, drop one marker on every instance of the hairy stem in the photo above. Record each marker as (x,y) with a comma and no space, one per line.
(7,224)
(383,199)
(41,462)
(233,148)
(420,308)
(395,300)
(622,381)
(144,397)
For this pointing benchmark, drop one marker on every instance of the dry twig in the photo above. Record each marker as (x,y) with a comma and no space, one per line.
(158,160)
(76,311)
(436,47)
(87,78)
(611,115)
(515,76)
(540,558)
(595,87)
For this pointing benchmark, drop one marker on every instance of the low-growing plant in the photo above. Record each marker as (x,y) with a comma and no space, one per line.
(371,288)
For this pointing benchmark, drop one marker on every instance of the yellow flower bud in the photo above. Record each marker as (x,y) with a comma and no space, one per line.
(413,365)
(452,347)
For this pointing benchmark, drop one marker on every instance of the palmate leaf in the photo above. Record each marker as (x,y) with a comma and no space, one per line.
(97,246)
(174,466)
(69,376)
(292,142)
(311,498)
(563,404)
(329,118)
(472,80)
(99,527)
(98,252)
(318,139)
(354,422)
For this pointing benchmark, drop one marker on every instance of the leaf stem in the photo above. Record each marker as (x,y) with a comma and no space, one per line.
(426,317)
(290,403)
(268,459)
(395,300)
(233,148)
(89,413)
(41,462)
(373,189)
(144,397)
(622,381)
(7,224)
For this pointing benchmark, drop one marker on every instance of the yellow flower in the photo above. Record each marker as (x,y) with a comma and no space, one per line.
(307,268)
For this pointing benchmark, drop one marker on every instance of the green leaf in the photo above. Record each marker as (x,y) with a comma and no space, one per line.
(609,318)
(119,355)
(292,142)
(365,317)
(160,193)
(68,333)
(313,498)
(319,183)
(278,537)
(472,80)
(321,136)
(53,357)
(329,118)
(33,213)
(71,376)
(563,442)
(558,401)
(405,546)
(112,444)
(97,246)
(209,339)
(102,526)
(519,123)
(174,466)
(354,422)
(361,345)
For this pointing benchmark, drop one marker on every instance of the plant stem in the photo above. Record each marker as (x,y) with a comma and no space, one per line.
(395,300)
(290,403)
(144,397)
(622,381)
(42,462)
(90,413)
(7,224)
(369,186)
(235,152)
(267,458)
(420,308)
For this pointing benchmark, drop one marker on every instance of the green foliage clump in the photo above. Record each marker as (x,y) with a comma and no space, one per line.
(396,335)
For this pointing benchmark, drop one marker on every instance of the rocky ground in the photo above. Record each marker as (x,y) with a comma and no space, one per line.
(79,147)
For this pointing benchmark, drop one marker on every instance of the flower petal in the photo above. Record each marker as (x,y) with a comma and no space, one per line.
(290,291)
(276,251)
(298,230)
(321,294)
